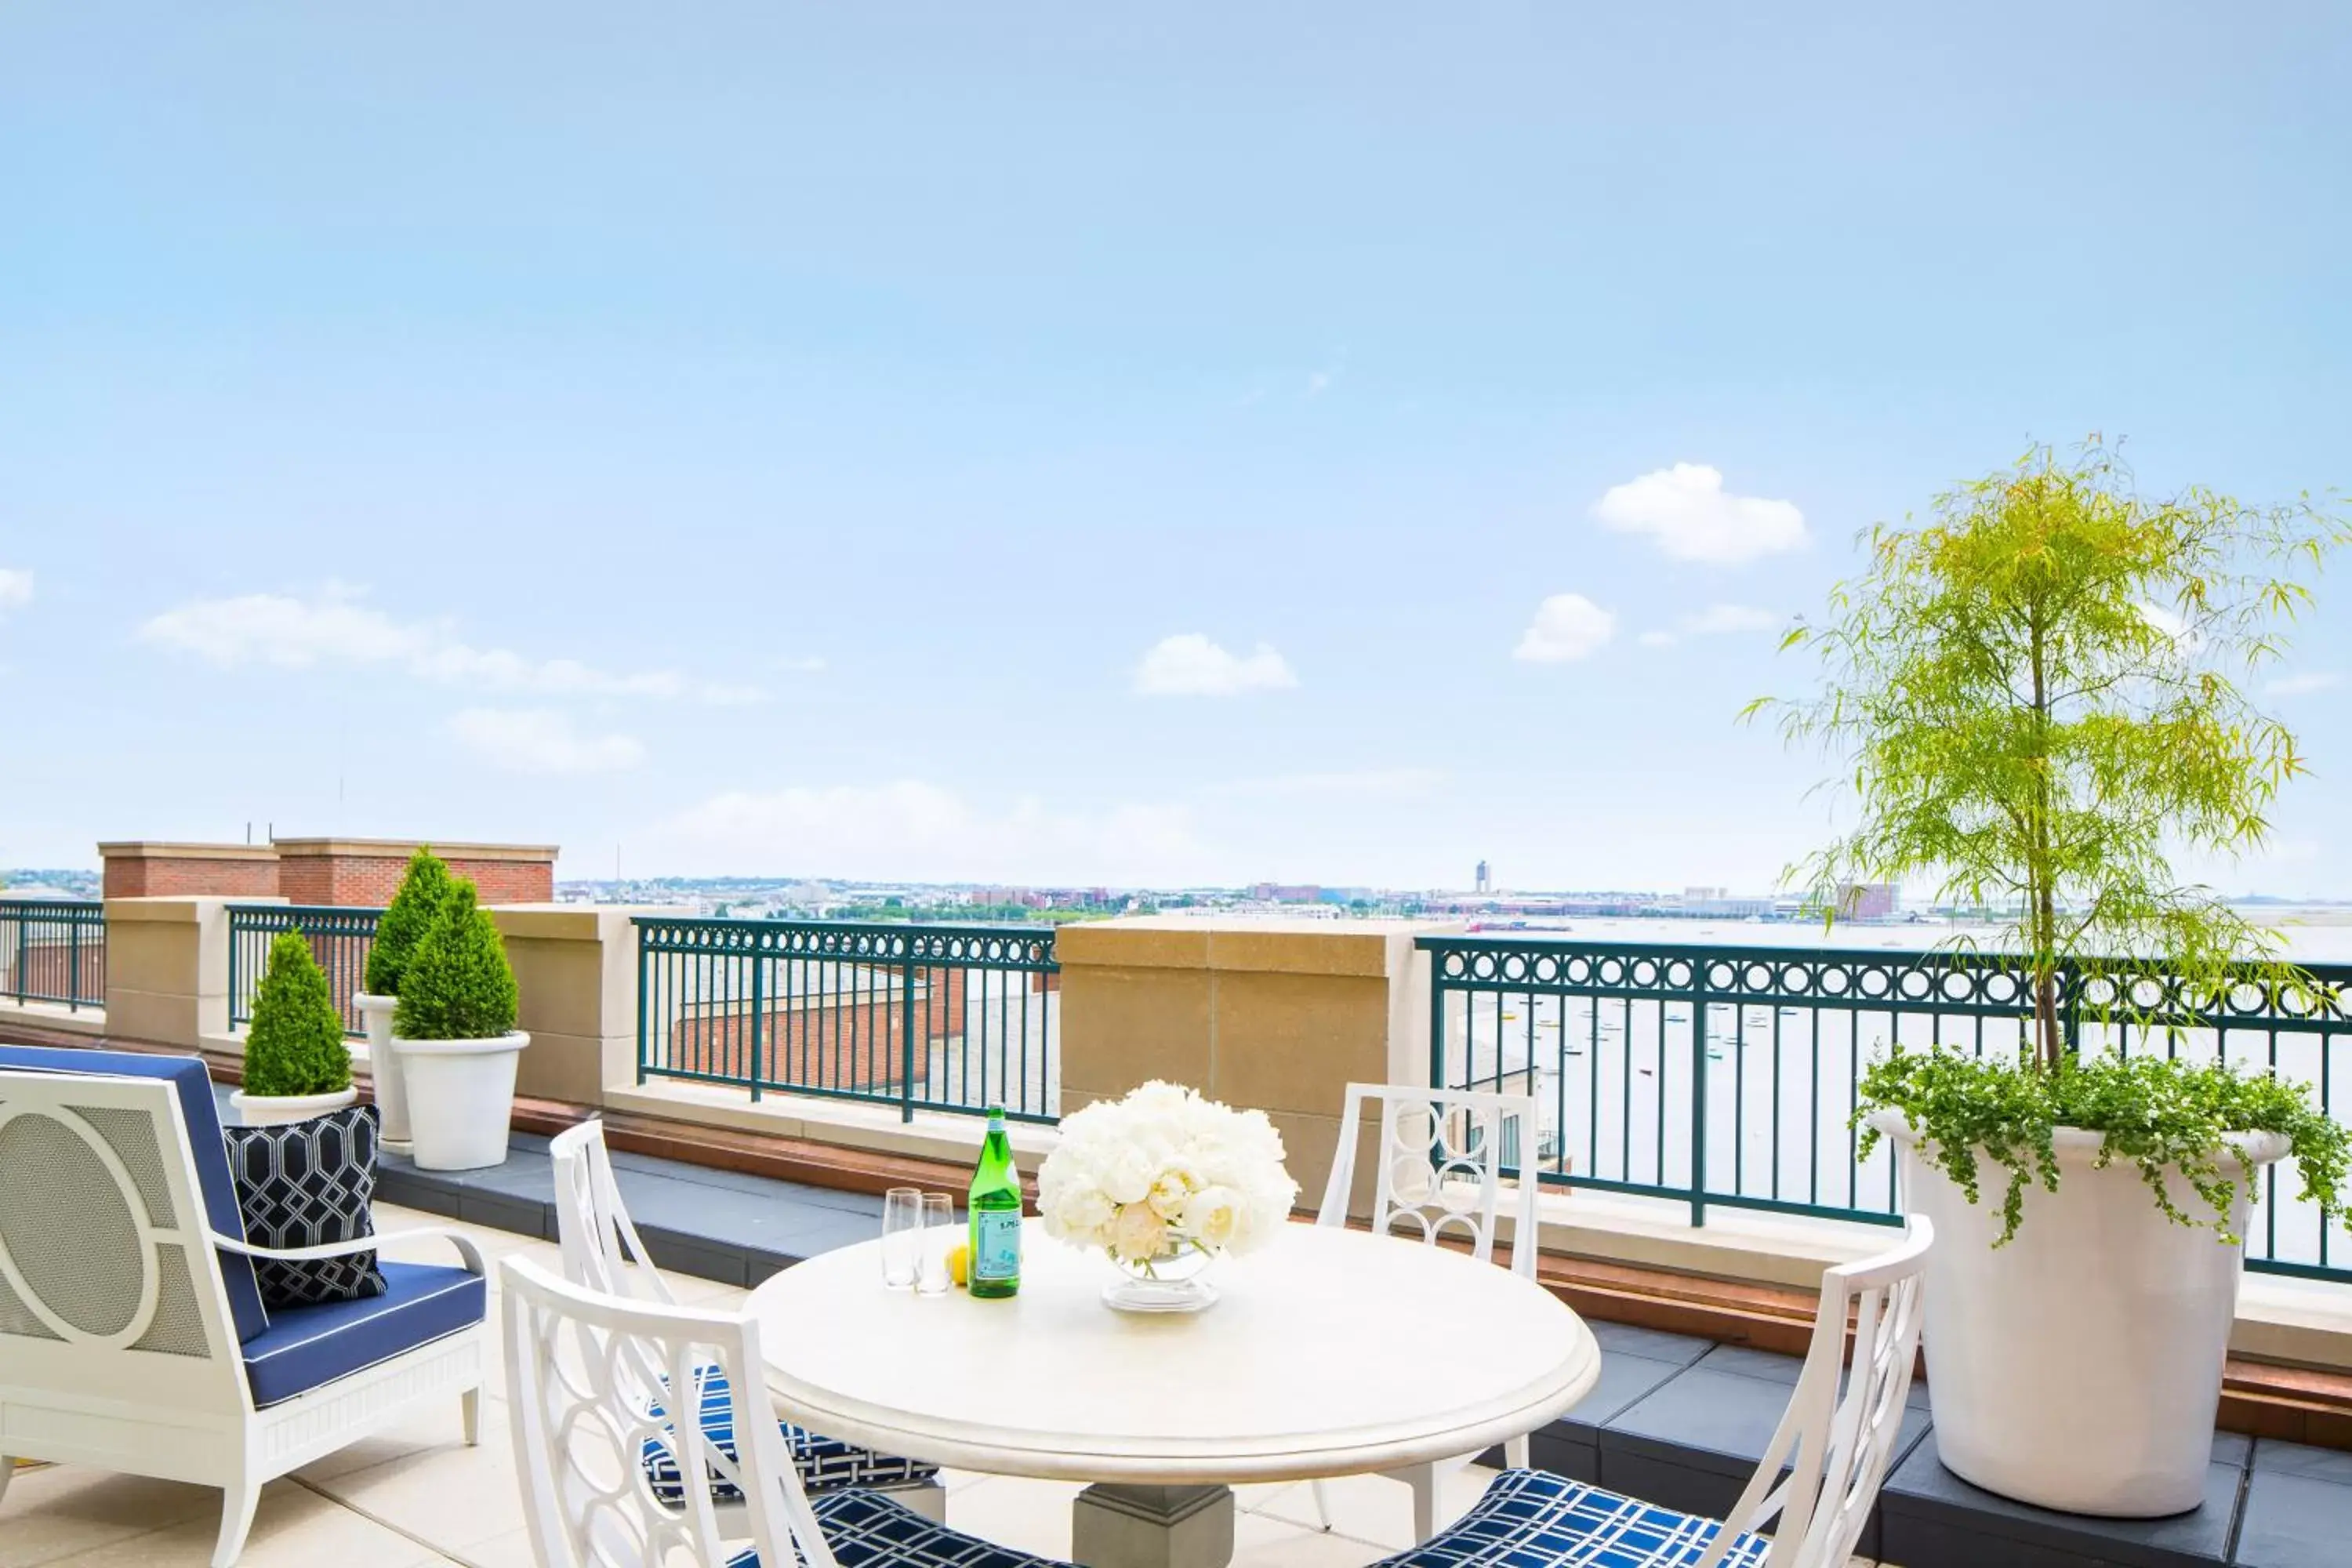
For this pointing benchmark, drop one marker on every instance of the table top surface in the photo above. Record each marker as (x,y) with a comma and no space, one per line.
(1329,1351)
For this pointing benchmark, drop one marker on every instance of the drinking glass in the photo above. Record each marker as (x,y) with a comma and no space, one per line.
(939,1237)
(902,1236)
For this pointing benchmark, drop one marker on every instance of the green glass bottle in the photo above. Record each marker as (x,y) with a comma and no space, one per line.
(995,1214)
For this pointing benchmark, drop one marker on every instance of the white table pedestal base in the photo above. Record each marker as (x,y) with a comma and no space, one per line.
(1152,1527)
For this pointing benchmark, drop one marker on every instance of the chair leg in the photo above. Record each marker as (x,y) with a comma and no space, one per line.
(469,1412)
(1515,1453)
(1320,1491)
(7,1469)
(238,1503)
(1423,1479)
(926,1497)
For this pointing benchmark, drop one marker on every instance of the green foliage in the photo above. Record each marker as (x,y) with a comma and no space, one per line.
(458,984)
(2160,1113)
(295,1043)
(424,889)
(2035,697)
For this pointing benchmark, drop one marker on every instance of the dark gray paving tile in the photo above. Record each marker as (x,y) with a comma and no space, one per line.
(2297,1459)
(1921,1493)
(1579,1461)
(2295,1519)
(500,1211)
(1651,1345)
(1927,1543)
(693,1255)
(1717,1420)
(2234,1448)
(1746,1361)
(745,1182)
(1624,1378)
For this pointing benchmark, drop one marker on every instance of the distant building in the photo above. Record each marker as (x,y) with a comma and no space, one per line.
(1868,901)
(1485,878)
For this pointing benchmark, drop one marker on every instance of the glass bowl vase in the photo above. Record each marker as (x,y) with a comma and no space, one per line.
(1174,1281)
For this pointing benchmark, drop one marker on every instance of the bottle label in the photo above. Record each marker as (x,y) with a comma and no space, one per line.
(997,1255)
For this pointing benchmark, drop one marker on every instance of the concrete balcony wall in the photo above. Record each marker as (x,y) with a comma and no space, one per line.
(1280,1015)
(576,978)
(167,971)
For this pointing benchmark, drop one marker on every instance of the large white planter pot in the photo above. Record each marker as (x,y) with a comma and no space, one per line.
(277,1109)
(384,1067)
(460,1098)
(2079,1367)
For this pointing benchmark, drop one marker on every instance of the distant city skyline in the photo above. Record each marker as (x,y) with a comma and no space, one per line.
(1188,447)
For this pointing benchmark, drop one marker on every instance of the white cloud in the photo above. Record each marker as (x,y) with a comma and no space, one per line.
(540,741)
(1657,640)
(1714,621)
(1372,784)
(917,830)
(1567,626)
(1189,665)
(2303,683)
(336,627)
(1692,517)
(15,588)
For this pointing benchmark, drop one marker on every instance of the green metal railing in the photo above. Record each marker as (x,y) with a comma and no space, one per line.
(1726,1075)
(54,950)
(340,939)
(954,1018)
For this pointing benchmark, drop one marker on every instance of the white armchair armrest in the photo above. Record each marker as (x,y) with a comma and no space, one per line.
(466,1250)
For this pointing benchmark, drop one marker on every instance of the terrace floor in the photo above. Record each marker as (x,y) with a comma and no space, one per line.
(1676,1419)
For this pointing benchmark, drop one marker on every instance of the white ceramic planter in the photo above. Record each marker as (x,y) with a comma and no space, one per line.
(2079,1367)
(460,1098)
(277,1109)
(383,1065)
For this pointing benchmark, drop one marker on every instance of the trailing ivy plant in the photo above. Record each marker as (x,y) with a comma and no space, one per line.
(2160,1113)
(458,984)
(424,889)
(294,1045)
(2037,699)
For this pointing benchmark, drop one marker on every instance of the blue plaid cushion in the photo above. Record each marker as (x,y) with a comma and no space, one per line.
(865,1528)
(826,1464)
(1533,1519)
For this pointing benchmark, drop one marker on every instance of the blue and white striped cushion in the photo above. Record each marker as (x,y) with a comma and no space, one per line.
(868,1530)
(1533,1519)
(826,1464)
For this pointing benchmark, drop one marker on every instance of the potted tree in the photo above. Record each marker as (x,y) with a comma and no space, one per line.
(296,1063)
(424,888)
(454,1033)
(2036,698)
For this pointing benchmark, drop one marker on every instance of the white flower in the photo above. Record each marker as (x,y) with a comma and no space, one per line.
(1173,1188)
(1213,1216)
(1139,1234)
(1078,1214)
(1129,1176)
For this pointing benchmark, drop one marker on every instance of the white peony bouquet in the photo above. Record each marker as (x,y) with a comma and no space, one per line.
(1163,1173)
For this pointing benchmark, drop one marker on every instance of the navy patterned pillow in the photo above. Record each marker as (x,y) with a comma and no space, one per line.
(307,1184)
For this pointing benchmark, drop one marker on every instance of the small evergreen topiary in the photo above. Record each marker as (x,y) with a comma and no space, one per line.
(458,984)
(424,889)
(295,1044)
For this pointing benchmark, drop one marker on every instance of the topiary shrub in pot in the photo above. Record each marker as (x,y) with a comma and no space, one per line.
(2036,700)
(425,887)
(454,1033)
(296,1063)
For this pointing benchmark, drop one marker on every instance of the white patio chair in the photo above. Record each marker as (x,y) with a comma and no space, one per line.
(1836,1448)
(603,1251)
(1441,1153)
(582,1435)
(132,1334)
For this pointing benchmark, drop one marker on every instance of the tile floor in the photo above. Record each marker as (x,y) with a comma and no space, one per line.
(417,1498)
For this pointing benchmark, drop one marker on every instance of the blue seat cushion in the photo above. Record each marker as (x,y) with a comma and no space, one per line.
(826,1464)
(863,1527)
(194,1087)
(1533,1519)
(305,1346)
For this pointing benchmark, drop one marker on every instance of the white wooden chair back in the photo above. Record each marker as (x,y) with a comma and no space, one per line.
(581,1435)
(601,1248)
(1837,1446)
(110,1286)
(1441,1152)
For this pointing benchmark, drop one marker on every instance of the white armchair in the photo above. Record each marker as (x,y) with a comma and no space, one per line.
(132,1336)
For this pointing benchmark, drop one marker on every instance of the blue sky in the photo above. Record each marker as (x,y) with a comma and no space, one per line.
(777,438)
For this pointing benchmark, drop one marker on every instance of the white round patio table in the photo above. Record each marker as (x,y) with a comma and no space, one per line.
(1328,1352)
